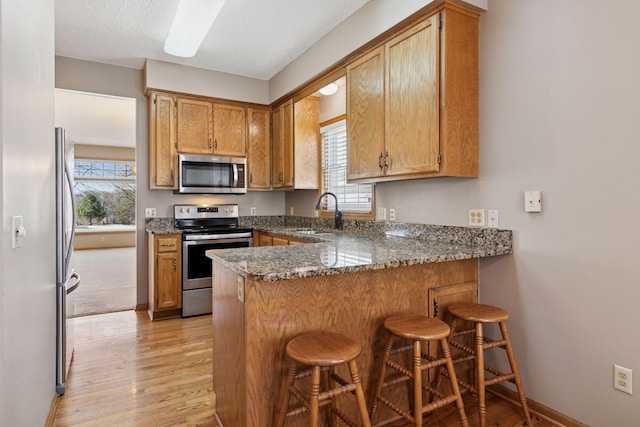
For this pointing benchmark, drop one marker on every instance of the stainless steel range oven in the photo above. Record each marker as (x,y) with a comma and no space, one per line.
(205,227)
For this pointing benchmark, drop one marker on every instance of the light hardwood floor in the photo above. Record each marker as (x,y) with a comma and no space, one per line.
(129,371)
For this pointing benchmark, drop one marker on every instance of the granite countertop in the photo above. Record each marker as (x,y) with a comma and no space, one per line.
(355,250)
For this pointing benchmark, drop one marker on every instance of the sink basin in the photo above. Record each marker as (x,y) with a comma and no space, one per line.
(311,231)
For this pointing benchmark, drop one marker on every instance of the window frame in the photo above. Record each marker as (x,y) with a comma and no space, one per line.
(322,213)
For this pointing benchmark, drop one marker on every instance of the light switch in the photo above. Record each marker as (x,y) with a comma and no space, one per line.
(532,201)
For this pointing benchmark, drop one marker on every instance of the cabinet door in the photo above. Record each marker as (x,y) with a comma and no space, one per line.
(258,154)
(412,96)
(168,293)
(280,241)
(195,126)
(307,143)
(266,240)
(283,167)
(229,130)
(440,299)
(162,137)
(365,116)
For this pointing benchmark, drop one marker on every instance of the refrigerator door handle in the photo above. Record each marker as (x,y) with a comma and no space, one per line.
(75,285)
(69,251)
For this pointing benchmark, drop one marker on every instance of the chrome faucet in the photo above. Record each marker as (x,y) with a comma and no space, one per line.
(338,214)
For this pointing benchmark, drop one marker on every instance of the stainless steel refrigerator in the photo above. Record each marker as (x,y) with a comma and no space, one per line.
(67,280)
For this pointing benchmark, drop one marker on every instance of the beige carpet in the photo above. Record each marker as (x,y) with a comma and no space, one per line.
(108,281)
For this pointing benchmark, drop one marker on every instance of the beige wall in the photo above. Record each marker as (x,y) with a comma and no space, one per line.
(179,78)
(93,77)
(27,274)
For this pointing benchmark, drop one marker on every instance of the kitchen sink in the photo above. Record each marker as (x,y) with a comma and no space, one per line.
(311,231)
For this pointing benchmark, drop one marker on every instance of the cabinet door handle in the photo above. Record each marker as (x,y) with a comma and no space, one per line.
(280,177)
(380,161)
(386,163)
(175,264)
(436,309)
(215,144)
(251,178)
(210,144)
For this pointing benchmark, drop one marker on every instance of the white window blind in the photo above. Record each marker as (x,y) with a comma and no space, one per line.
(352,198)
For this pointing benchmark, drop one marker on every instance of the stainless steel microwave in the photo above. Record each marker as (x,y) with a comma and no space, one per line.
(211,175)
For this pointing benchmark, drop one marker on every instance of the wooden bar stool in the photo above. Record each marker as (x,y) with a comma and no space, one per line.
(322,351)
(480,314)
(417,329)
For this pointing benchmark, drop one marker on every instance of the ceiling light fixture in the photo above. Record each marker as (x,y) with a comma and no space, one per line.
(329,89)
(191,24)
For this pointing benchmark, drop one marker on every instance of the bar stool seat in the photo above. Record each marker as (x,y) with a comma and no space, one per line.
(322,351)
(480,314)
(417,329)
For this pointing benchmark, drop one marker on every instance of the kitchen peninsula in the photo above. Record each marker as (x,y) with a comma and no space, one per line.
(344,281)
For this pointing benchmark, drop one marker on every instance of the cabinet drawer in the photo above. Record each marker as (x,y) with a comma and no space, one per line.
(167,244)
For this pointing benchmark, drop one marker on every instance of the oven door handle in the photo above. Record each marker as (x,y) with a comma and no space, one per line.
(213,238)
(206,240)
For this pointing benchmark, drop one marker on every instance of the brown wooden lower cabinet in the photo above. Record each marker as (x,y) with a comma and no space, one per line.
(261,238)
(249,336)
(165,282)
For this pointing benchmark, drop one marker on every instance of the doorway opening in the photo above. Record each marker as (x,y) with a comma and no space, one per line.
(102,129)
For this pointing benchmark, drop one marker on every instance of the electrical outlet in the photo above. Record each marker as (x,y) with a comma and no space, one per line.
(392,214)
(476,217)
(492,218)
(622,379)
(291,210)
(382,214)
(150,213)
(254,211)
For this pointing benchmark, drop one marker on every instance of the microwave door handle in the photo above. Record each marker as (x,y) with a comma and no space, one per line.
(235,176)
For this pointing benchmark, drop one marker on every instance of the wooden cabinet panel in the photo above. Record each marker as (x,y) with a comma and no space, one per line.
(259,149)
(307,143)
(365,115)
(165,278)
(167,292)
(429,76)
(440,299)
(162,137)
(229,130)
(265,240)
(283,165)
(195,126)
(412,100)
(280,241)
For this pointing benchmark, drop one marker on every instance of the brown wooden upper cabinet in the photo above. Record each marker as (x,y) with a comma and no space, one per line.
(162,136)
(412,102)
(259,149)
(296,144)
(181,124)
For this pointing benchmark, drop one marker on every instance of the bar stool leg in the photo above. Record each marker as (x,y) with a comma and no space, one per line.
(514,369)
(331,415)
(284,404)
(480,374)
(313,400)
(454,382)
(383,370)
(417,383)
(362,405)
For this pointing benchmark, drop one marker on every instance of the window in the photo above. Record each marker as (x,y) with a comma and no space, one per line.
(352,198)
(105,192)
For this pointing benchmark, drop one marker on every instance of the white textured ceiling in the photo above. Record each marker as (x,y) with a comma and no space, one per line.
(253,38)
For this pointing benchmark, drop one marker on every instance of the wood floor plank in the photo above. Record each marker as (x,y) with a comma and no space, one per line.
(129,371)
